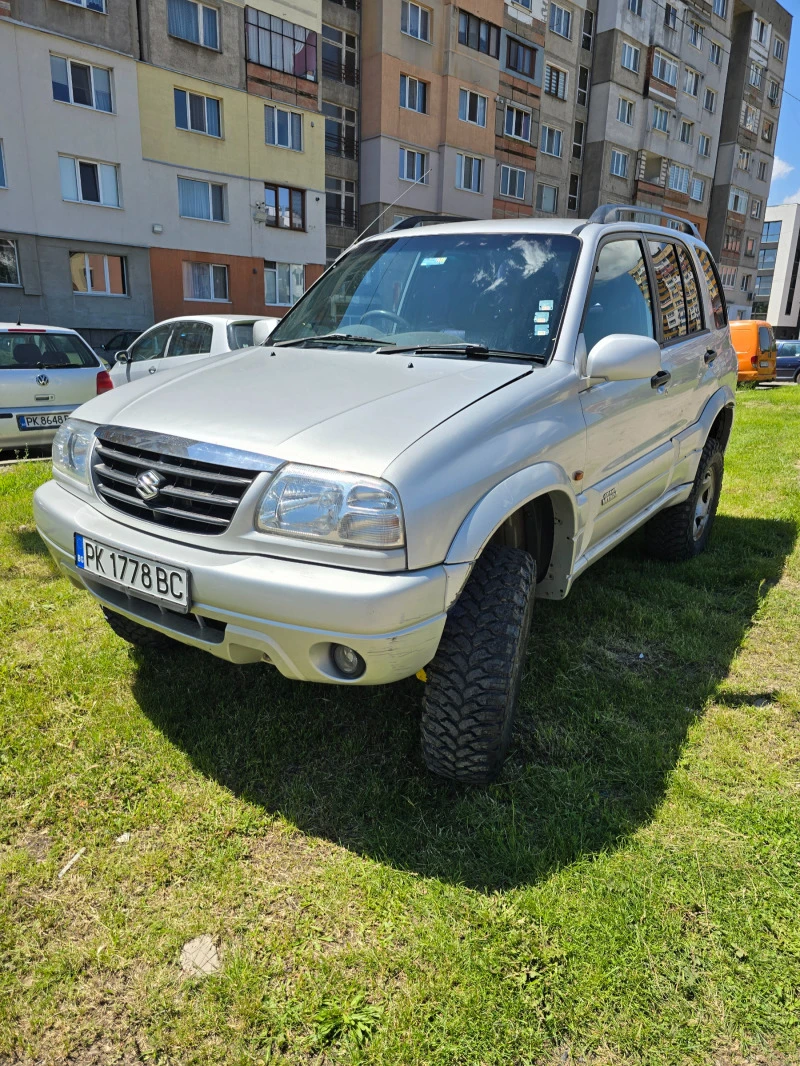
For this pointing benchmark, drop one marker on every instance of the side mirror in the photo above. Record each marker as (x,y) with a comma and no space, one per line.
(122,357)
(623,357)
(262,329)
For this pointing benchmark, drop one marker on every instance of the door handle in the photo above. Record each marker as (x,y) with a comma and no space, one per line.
(659,379)
(152,370)
(710,356)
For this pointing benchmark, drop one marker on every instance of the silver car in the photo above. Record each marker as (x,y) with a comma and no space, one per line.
(45,373)
(455,420)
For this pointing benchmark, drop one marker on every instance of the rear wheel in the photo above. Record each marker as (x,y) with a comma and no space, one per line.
(473,682)
(138,635)
(681,532)
(797,377)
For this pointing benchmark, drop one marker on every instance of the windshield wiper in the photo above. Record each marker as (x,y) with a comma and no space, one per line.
(471,351)
(300,341)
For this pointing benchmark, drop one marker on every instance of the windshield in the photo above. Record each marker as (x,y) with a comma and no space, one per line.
(240,335)
(504,291)
(26,351)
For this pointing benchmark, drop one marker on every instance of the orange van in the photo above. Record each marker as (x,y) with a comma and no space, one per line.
(754,344)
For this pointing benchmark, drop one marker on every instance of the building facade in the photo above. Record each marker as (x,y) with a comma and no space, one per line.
(777,265)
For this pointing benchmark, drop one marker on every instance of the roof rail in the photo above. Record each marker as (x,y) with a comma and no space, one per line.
(412,221)
(612,212)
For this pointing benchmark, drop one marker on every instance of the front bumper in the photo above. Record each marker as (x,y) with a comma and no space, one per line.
(251,608)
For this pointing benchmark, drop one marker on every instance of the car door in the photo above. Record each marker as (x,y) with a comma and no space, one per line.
(145,355)
(191,341)
(629,455)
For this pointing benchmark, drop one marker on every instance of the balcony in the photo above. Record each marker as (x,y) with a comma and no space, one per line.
(344,147)
(346,217)
(344,73)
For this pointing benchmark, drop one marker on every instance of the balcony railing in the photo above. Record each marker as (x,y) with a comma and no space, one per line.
(347,217)
(345,147)
(340,72)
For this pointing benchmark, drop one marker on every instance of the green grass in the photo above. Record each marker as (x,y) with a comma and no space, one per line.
(628,893)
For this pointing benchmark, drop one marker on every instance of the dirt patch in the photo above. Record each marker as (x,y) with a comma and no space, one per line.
(284,857)
(37,844)
(733,1055)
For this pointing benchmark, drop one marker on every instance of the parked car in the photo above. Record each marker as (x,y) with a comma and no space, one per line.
(182,341)
(754,343)
(45,373)
(454,420)
(119,341)
(788,361)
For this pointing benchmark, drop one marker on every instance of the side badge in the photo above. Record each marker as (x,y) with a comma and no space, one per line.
(608,496)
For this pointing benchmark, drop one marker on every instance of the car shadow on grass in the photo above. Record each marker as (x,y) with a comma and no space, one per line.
(616,675)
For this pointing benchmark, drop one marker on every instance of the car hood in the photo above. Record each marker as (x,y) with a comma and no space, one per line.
(349,410)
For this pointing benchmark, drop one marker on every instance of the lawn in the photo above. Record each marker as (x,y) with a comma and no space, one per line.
(626,894)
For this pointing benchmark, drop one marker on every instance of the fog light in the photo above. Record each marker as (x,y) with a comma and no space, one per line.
(347,661)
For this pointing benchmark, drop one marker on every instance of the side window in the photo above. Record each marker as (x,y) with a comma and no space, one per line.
(670,290)
(694,314)
(764,341)
(714,289)
(191,338)
(620,300)
(151,345)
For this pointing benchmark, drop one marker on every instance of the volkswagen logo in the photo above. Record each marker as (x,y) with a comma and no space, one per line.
(148,484)
(42,379)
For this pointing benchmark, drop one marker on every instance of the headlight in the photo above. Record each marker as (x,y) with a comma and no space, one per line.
(306,501)
(72,446)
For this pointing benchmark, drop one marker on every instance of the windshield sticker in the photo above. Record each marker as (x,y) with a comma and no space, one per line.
(541,331)
(541,316)
(545,305)
(434,261)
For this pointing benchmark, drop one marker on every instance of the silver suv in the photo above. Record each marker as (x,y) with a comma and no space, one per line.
(455,420)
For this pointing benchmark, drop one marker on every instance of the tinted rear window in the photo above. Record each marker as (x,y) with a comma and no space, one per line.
(240,335)
(26,351)
(764,339)
(714,289)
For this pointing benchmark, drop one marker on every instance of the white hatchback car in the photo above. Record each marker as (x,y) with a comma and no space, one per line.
(45,373)
(178,342)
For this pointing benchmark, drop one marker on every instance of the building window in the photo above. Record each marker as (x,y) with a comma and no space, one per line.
(763,285)
(413,165)
(625,111)
(282,128)
(691,82)
(574,191)
(696,35)
(520,58)
(413,94)
(518,123)
(284,283)
(697,189)
(721,8)
(770,232)
(578,138)
(762,170)
(767,258)
(339,57)
(471,107)
(582,95)
(767,130)
(635,6)
(415,21)
(756,75)
(749,118)
(670,16)
(9,262)
(686,132)
(737,200)
(660,118)
(630,57)
(732,240)
(3,182)
(779,49)
(478,34)
(704,145)
(200,114)
(550,141)
(547,198)
(750,247)
(773,91)
(512,182)
(193,22)
(755,208)
(98,275)
(91,5)
(469,172)
(555,82)
(715,54)
(743,160)
(747,280)
(89,183)
(201,199)
(619,163)
(678,178)
(560,21)
(274,42)
(205,281)
(665,68)
(340,131)
(728,277)
(587,34)
(710,100)
(285,207)
(81,84)
(760,31)
(340,203)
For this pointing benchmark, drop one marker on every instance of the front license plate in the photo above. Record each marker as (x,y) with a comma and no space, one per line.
(764,362)
(52,420)
(146,578)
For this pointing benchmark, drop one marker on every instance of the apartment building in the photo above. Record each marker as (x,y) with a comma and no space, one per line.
(753,97)
(341,107)
(777,265)
(169,160)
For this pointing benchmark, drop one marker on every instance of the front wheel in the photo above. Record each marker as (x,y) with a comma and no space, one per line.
(473,681)
(138,635)
(681,532)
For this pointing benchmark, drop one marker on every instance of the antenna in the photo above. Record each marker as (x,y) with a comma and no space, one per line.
(417,181)
(19,316)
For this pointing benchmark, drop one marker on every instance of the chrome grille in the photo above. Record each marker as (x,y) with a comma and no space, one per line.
(197,495)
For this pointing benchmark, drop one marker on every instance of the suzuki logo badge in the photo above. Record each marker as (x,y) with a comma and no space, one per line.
(42,379)
(148,484)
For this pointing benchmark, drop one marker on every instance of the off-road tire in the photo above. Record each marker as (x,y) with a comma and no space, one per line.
(672,535)
(138,635)
(473,681)
(797,377)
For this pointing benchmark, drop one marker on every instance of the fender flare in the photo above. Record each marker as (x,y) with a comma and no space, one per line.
(693,438)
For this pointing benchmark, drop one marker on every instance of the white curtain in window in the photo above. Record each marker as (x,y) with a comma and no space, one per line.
(109,191)
(200,286)
(69,181)
(210,27)
(193,199)
(102,89)
(298,281)
(182,20)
